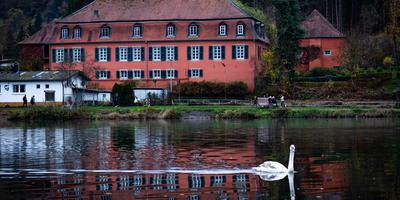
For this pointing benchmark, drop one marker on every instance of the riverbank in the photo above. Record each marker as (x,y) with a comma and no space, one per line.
(197,112)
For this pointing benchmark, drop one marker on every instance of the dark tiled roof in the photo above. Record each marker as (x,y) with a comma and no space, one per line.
(317,26)
(43,36)
(40,76)
(140,10)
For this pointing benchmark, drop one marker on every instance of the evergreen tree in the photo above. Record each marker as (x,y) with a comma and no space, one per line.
(10,47)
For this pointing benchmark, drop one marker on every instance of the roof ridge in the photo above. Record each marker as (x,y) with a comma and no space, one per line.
(315,11)
(240,9)
(84,7)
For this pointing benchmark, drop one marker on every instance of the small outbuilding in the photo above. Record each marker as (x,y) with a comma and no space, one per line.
(48,87)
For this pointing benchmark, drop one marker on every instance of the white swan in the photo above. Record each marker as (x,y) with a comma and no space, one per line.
(277,169)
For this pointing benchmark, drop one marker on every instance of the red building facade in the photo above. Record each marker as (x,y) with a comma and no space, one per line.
(157,43)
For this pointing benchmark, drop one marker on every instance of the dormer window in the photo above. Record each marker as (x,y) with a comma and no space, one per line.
(137,30)
(64,33)
(240,29)
(223,29)
(170,30)
(77,33)
(193,30)
(105,32)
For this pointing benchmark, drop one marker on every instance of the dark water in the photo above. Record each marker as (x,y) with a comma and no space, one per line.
(335,159)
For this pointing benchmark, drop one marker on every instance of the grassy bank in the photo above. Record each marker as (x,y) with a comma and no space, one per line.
(178,112)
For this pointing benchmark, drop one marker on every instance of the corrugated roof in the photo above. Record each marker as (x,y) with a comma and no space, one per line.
(43,36)
(317,26)
(40,76)
(142,10)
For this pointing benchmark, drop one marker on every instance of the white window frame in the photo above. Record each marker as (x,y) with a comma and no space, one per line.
(240,29)
(103,75)
(156,54)
(158,74)
(170,53)
(17,88)
(195,52)
(137,29)
(64,33)
(60,55)
(125,72)
(103,57)
(222,30)
(77,33)
(76,55)
(327,53)
(105,32)
(170,73)
(193,30)
(123,54)
(240,52)
(217,52)
(137,74)
(137,53)
(170,31)
(195,73)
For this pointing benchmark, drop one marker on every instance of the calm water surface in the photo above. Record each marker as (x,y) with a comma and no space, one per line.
(335,159)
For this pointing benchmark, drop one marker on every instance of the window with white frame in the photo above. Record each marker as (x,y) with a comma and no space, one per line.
(170,73)
(193,30)
(327,53)
(76,55)
(170,52)
(195,73)
(137,31)
(156,74)
(170,31)
(103,75)
(222,30)
(60,55)
(156,54)
(105,32)
(137,74)
(240,29)
(217,52)
(123,53)
(77,33)
(123,74)
(103,54)
(240,52)
(195,54)
(64,33)
(137,53)
(19,88)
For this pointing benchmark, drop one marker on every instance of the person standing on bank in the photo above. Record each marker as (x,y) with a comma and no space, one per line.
(25,101)
(283,102)
(33,100)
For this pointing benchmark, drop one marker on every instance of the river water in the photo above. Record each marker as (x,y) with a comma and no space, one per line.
(334,159)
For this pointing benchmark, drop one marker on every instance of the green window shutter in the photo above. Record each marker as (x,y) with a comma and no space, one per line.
(96,54)
(246,52)
(82,54)
(151,73)
(150,53)
(65,55)
(142,53)
(234,52)
(130,74)
(53,54)
(201,53)
(189,73)
(142,73)
(130,54)
(118,74)
(201,73)
(176,74)
(210,53)
(163,74)
(176,53)
(163,49)
(223,53)
(108,54)
(117,54)
(71,55)
(108,74)
(97,74)
(189,53)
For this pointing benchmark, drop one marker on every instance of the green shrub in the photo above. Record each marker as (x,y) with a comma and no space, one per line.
(322,72)
(122,94)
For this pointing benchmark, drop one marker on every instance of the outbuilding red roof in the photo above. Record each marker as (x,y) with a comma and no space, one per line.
(148,10)
(43,36)
(317,26)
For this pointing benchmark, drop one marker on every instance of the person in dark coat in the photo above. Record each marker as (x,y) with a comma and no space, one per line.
(25,101)
(33,100)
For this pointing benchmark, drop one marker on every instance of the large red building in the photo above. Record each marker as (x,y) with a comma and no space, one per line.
(322,39)
(157,42)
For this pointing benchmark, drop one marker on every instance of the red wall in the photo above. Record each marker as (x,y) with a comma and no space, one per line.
(333,44)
